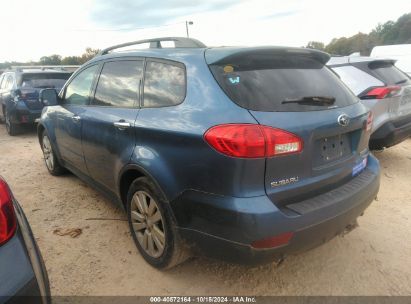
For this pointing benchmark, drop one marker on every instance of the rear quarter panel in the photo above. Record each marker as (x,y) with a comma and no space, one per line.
(171,148)
(380,109)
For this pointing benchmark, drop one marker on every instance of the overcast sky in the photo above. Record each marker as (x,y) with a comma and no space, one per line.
(30,29)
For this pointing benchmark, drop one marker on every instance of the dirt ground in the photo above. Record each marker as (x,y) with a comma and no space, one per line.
(374,259)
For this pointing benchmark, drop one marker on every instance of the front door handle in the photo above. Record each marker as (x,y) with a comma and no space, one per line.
(76,118)
(122,125)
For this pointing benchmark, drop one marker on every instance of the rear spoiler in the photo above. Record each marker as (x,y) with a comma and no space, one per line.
(227,54)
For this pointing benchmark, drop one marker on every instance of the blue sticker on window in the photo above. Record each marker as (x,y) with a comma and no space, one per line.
(234,80)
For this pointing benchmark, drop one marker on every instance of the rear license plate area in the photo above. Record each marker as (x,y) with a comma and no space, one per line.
(359,167)
(329,149)
(34,104)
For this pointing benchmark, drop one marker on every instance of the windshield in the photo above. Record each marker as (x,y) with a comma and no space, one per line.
(44,80)
(267,82)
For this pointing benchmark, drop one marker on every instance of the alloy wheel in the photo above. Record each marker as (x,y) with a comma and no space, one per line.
(48,153)
(7,121)
(148,224)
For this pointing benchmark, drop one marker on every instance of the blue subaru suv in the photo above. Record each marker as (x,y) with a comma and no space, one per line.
(245,154)
(19,93)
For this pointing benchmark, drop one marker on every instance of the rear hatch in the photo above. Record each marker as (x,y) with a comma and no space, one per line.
(32,83)
(293,90)
(396,83)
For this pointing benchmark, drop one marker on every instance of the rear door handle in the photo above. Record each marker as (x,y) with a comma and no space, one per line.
(76,118)
(122,125)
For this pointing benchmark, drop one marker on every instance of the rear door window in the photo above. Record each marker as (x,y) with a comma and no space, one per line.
(358,81)
(119,84)
(265,82)
(164,84)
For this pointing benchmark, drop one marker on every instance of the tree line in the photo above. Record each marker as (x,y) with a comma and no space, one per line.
(56,60)
(398,32)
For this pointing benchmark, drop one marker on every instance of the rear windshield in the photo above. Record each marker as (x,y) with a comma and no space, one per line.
(262,82)
(44,80)
(388,73)
(357,80)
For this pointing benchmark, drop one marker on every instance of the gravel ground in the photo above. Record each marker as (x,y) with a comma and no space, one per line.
(374,259)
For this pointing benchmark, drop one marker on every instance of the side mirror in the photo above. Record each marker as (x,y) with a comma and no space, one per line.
(48,97)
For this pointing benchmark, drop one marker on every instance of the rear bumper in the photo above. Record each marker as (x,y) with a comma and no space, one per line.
(224,227)
(391,133)
(16,273)
(25,117)
(20,113)
(23,274)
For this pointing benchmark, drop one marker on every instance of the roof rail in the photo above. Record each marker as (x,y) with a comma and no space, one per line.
(155,43)
(44,67)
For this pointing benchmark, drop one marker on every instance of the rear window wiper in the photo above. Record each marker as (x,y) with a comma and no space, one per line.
(401,81)
(311,100)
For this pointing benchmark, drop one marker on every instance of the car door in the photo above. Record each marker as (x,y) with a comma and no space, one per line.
(76,97)
(108,123)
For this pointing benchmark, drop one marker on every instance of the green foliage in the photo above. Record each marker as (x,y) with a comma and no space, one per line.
(390,32)
(345,46)
(50,60)
(55,60)
(316,45)
(70,60)
(89,54)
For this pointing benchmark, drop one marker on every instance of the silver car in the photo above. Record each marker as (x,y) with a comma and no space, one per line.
(385,90)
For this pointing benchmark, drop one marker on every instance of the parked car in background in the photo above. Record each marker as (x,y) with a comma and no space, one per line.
(400,52)
(385,90)
(242,154)
(23,276)
(19,93)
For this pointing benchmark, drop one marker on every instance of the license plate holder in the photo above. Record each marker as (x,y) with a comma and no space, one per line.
(334,147)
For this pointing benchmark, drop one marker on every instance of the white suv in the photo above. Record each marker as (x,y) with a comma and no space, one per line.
(385,90)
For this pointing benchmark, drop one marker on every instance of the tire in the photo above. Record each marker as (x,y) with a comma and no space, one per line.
(52,163)
(3,116)
(152,226)
(11,128)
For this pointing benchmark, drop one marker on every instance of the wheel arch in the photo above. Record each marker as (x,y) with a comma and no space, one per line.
(43,126)
(40,130)
(126,177)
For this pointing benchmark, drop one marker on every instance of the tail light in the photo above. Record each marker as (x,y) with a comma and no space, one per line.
(381,92)
(252,140)
(8,221)
(370,120)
